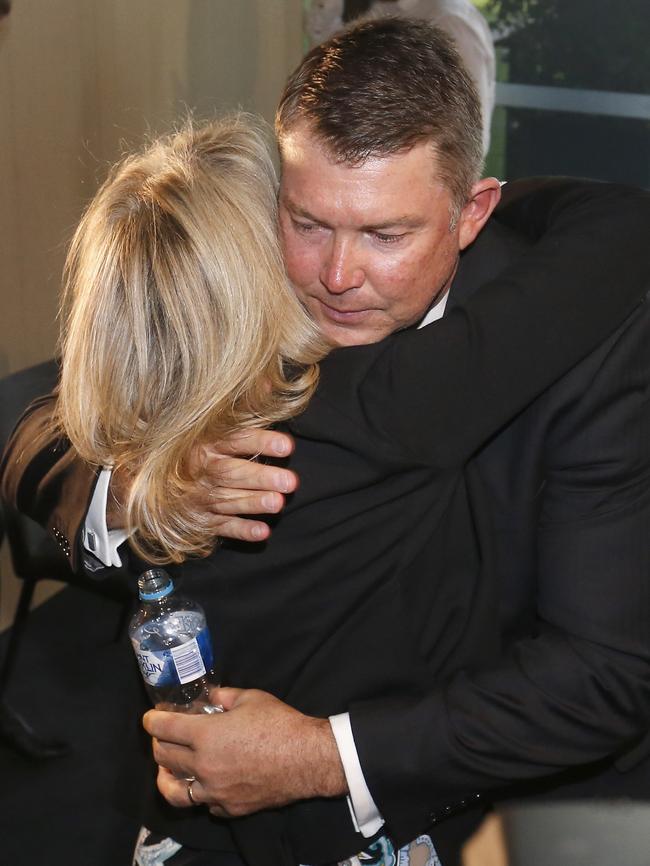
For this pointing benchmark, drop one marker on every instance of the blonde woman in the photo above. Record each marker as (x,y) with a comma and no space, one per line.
(179,324)
(180,328)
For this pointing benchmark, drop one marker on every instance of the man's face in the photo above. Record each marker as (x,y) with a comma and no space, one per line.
(367,248)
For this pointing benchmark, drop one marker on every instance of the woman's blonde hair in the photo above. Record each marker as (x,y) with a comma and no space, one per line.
(179,325)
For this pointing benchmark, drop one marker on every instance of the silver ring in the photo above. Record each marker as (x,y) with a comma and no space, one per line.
(190,796)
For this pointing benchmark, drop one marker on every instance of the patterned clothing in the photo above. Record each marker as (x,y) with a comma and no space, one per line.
(154,850)
(420,852)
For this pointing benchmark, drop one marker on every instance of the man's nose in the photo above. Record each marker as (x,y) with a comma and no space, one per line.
(341,269)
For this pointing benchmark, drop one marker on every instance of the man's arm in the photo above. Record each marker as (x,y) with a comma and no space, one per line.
(575,692)
(240,487)
(227,486)
(577,689)
(448,724)
(237,777)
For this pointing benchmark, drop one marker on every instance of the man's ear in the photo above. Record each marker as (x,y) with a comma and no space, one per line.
(484,197)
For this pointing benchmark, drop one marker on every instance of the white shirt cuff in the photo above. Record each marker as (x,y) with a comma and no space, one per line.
(364,812)
(97,538)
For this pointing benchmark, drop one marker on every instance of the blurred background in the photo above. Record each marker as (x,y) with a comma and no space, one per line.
(573,88)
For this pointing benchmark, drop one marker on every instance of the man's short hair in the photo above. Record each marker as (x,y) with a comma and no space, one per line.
(382,86)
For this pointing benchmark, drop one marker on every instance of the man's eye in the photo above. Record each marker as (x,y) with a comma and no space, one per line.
(304,228)
(384,238)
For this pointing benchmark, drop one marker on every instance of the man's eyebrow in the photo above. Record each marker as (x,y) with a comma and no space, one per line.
(298,211)
(406,221)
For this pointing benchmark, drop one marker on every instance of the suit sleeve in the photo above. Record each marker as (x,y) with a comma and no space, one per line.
(578,689)
(440,392)
(42,477)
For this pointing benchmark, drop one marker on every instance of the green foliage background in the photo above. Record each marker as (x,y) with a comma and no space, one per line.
(595,44)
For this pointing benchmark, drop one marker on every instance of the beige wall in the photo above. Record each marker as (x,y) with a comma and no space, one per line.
(78,78)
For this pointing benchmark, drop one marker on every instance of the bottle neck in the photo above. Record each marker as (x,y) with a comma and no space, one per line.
(155,584)
(154,594)
(156,605)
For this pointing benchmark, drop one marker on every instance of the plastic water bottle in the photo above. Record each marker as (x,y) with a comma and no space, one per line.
(172,644)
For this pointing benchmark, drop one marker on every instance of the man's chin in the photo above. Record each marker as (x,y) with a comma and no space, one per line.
(347,327)
(351,335)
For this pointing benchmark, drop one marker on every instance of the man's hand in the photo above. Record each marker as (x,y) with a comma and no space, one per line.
(259,754)
(228,485)
(231,486)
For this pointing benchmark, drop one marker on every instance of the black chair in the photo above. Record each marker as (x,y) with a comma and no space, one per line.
(34,557)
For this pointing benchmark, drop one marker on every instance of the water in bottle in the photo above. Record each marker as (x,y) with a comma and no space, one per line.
(172,644)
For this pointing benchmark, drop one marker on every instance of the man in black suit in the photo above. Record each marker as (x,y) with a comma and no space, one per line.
(560,496)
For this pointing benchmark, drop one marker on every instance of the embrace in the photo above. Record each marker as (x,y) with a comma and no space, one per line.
(447,391)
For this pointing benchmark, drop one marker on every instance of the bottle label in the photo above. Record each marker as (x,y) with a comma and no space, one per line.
(178,664)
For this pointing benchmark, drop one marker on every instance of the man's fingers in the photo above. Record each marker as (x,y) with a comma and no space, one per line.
(236,474)
(171,727)
(198,797)
(249,443)
(228,488)
(226,502)
(179,760)
(174,790)
(240,528)
(225,696)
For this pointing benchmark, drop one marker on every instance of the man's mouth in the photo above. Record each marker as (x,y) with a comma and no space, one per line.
(343,317)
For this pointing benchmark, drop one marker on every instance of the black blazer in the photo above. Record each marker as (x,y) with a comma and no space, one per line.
(388,591)
(561,502)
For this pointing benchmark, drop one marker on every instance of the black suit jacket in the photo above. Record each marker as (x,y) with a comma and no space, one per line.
(411,604)
(561,498)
